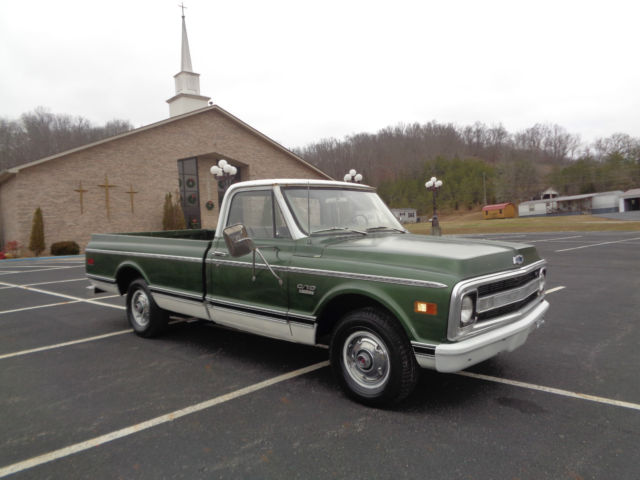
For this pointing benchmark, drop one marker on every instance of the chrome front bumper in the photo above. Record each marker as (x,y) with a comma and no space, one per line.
(453,357)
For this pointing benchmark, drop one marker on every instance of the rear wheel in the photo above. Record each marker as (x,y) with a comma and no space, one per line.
(144,315)
(372,358)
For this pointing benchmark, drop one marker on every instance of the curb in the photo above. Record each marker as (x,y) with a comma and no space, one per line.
(40,258)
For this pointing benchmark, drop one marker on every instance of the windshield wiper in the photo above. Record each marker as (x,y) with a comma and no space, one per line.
(339,229)
(381,228)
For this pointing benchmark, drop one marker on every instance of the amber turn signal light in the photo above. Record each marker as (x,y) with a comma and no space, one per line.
(426,308)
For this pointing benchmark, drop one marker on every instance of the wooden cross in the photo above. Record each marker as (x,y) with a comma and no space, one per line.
(131,194)
(106,187)
(81,191)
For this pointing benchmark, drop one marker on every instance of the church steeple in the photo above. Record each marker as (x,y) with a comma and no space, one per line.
(187,97)
(186,55)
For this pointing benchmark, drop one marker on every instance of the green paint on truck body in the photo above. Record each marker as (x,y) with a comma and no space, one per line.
(326,274)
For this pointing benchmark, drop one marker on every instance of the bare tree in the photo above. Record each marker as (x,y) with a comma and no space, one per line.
(40,133)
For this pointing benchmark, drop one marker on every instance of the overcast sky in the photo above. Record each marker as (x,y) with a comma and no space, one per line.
(300,71)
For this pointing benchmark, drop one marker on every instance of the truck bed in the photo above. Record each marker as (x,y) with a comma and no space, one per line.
(171,263)
(187,234)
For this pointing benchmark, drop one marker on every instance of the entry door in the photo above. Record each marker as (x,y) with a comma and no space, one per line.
(239,295)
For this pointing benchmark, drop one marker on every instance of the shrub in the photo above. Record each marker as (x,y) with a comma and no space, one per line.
(36,241)
(172,217)
(12,249)
(65,248)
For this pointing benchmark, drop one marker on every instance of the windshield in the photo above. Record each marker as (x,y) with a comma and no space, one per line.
(329,210)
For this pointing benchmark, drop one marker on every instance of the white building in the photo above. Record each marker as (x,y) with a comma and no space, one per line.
(630,200)
(590,203)
(405,215)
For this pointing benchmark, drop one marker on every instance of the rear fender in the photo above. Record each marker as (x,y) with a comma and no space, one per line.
(126,273)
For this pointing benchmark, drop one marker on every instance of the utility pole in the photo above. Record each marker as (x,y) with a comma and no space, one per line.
(484,187)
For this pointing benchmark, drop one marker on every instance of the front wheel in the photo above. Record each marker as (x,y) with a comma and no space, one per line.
(372,358)
(145,317)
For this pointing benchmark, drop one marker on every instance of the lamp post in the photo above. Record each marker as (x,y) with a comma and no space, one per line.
(224,173)
(434,185)
(353,176)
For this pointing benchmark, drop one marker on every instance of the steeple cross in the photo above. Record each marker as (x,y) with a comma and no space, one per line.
(131,194)
(182,7)
(106,187)
(81,191)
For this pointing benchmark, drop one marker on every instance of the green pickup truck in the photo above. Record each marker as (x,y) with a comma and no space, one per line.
(326,263)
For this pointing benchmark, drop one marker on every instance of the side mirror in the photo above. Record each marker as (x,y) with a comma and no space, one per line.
(238,241)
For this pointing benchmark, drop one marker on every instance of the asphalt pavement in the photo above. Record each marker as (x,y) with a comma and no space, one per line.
(81,396)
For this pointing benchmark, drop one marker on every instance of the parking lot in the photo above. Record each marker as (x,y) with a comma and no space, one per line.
(82,396)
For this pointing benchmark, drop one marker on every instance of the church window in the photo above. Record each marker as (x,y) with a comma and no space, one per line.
(189,191)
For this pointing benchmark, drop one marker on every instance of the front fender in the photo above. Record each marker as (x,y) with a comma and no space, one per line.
(400,306)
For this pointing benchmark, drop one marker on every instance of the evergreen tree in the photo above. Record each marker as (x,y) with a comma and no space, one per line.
(167,213)
(36,242)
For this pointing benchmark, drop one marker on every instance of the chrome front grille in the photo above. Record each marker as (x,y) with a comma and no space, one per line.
(499,299)
(506,296)
(507,284)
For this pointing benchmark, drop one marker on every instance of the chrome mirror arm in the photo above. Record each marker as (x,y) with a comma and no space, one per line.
(253,278)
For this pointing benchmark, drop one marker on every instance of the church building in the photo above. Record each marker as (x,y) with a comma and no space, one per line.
(119,184)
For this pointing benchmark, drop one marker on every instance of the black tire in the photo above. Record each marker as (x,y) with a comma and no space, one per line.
(144,315)
(372,358)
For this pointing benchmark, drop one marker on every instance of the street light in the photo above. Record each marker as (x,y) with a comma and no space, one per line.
(224,173)
(434,185)
(353,176)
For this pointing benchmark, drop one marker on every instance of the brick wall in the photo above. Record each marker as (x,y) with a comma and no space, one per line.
(144,162)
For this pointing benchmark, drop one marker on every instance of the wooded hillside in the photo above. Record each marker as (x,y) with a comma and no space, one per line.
(472,160)
(39,134)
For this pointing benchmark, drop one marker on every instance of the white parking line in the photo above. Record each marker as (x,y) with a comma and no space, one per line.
(555,391)
(62,295)
(57,281)
(38,266)
(65,344)
(597,244)
(38,306)
(554,239)
(50,283)
(552,290)
(57,304)
(169,417)
(84,340)
(42,270)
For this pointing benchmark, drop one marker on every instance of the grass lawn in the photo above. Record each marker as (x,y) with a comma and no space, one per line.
(473,223)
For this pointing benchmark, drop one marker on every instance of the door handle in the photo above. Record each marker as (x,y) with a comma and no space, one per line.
(219,254)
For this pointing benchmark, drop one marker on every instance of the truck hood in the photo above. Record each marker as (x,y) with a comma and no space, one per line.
(461,257)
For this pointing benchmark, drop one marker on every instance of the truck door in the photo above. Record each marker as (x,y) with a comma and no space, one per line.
(234,296)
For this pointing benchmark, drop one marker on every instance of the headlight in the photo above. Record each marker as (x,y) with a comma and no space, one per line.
(467,311)
(542,281)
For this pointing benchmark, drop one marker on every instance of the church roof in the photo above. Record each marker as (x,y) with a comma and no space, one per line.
(7,174)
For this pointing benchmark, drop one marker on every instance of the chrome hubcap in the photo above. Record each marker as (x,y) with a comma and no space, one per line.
(366,360)
(140,308)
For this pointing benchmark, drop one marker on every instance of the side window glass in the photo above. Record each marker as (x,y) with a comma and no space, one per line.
(282,231)
(255,211)
(259,214)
